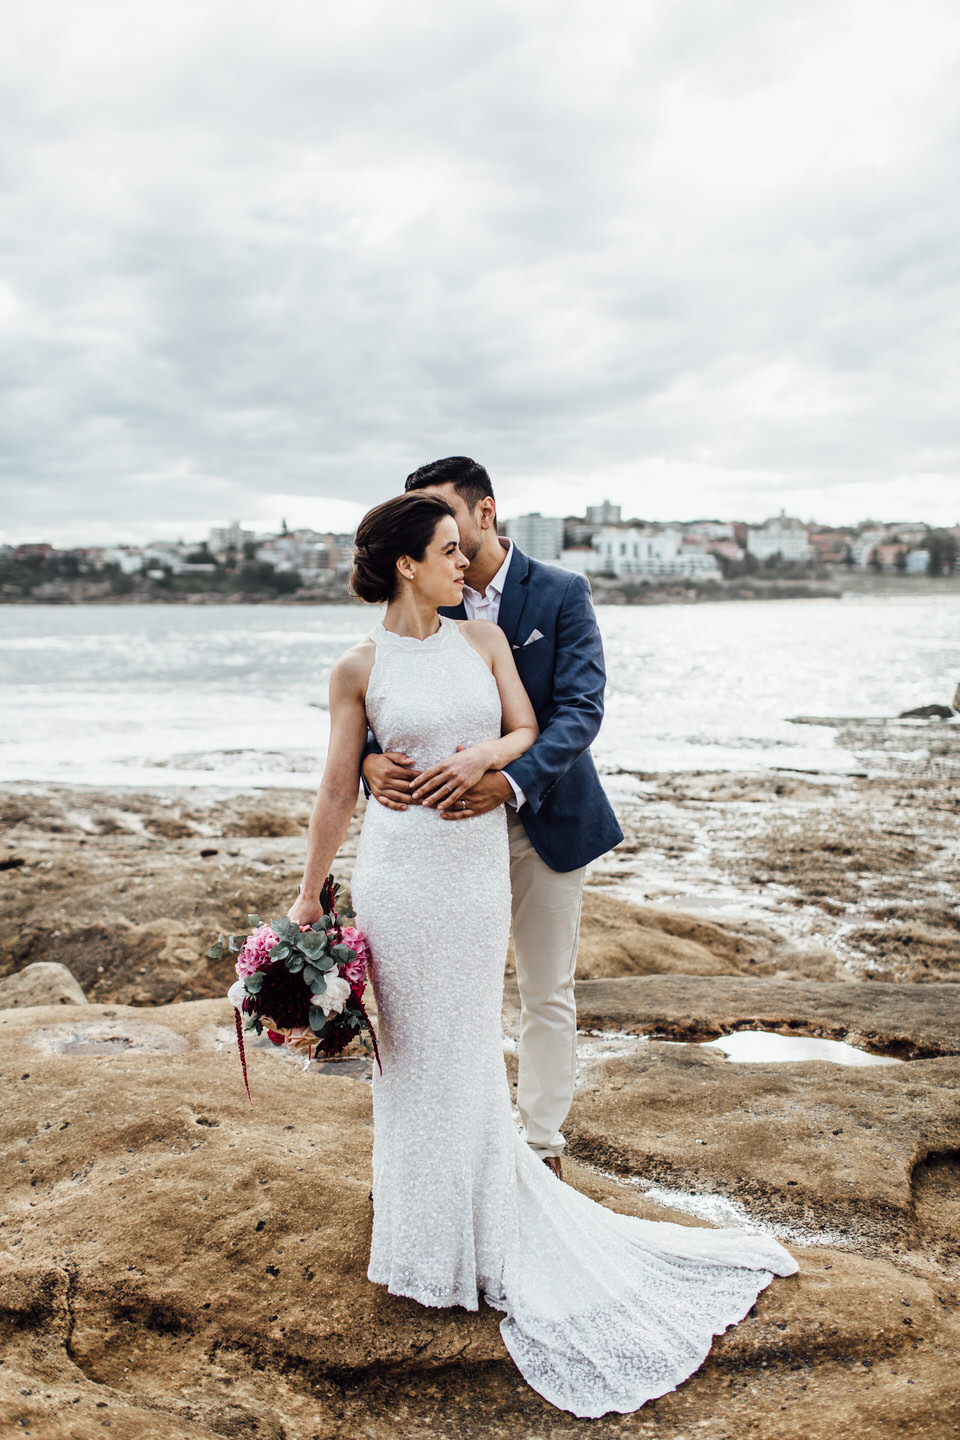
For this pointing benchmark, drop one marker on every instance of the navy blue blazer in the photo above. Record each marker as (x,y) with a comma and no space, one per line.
(547,615)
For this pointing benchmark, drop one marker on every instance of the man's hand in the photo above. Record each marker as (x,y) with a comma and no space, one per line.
(390,777)
(491,790)
(443,784)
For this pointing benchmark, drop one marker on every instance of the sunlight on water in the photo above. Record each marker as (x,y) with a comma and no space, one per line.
(236,695)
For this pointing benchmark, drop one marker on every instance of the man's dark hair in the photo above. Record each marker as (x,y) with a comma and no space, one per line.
(470,480)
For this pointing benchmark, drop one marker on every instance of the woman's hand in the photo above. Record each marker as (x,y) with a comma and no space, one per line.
(442,784)
(304,911)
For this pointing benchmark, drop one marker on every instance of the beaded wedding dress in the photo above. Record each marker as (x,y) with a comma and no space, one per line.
(603,1311)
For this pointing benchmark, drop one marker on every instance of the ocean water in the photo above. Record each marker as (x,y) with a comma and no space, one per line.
(237,695)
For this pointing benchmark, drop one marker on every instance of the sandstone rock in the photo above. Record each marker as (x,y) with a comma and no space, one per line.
(861,1152)
(179,1265)
(927,712)
(43,983)
(815,1146)
(617,938)
(907,1021)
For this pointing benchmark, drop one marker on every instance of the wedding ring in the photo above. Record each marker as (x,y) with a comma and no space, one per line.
(462,804)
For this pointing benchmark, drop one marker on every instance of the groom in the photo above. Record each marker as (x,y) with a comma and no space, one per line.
(558,816)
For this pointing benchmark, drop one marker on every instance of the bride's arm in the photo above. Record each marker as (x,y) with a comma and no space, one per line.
(444,783)
(337,795)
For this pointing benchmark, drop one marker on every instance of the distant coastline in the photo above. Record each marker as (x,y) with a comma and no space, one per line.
(606,591)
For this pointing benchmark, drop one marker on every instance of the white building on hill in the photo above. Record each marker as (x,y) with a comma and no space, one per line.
(605,514)
(865,546)
(654,554)
(230,537)
(538,535)
(782,536)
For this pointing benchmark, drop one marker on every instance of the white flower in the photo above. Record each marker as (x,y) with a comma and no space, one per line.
(237,994)
(334,997)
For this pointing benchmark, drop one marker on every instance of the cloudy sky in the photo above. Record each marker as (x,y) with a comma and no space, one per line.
(259,260)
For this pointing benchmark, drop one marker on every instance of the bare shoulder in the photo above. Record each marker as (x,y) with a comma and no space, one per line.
(351,670)
(485,637)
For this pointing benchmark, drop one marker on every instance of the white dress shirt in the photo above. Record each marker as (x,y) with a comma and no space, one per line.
(487,607)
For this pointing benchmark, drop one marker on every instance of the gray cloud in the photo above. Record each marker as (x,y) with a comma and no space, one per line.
(699,257)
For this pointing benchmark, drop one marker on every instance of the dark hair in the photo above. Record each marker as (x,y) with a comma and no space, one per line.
(469,479)
(401,526)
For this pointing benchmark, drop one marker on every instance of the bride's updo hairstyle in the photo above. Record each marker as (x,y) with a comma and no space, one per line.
(401,526)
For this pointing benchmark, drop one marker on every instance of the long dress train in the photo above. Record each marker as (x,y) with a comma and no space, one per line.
(603,1311)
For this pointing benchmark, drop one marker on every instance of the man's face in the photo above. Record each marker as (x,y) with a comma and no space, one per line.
(468,523)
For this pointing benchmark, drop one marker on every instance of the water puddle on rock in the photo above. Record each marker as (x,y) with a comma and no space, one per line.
(101,1037)
(764,1047)
(742,1047)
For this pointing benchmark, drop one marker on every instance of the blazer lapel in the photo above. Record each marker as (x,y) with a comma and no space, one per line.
(514,595)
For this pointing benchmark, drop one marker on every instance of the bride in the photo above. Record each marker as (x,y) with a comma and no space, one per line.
(602,1311)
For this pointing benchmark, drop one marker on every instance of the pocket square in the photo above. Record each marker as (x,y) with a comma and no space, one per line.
(534,635)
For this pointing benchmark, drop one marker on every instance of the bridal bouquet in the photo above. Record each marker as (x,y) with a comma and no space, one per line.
(303,984)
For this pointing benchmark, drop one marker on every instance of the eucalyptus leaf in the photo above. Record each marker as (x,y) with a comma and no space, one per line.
(319,985)
(253,982)
(326,962)
(295,963)
(236,941)
(215,951)
(312,945)
(254,921)
(341,953)
(317,1019)
(284,928)
(310,975)
(280,952)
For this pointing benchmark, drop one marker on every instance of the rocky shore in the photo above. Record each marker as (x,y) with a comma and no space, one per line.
(830,582)
(175,1264)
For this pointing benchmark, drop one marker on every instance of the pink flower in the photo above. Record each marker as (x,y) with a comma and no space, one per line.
(256,950)
(355,970)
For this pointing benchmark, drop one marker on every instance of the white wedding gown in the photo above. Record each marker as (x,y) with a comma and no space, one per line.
(603,1311)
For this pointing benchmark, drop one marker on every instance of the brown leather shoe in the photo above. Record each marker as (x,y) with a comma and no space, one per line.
(552,1162)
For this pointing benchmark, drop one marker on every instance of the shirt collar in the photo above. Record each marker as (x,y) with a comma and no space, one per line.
(496,584)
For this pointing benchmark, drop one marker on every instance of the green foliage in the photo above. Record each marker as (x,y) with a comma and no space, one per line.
(259,576)
(735,569)
(120,582)
(312,945)
(942,548)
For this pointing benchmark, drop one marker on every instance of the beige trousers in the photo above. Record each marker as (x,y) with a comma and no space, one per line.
(546,927)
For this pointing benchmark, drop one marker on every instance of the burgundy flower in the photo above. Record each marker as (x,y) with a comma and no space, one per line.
(283,997)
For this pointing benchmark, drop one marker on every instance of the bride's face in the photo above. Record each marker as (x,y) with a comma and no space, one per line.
(439,575)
